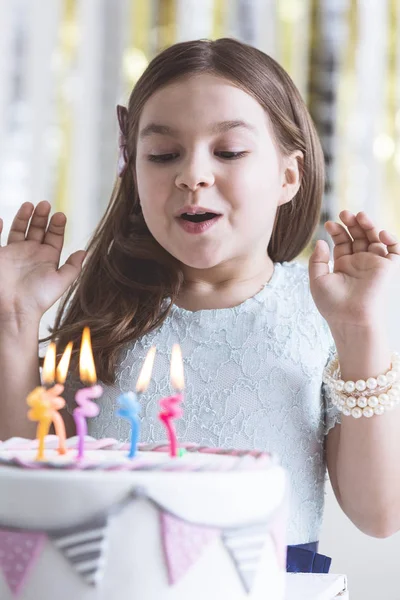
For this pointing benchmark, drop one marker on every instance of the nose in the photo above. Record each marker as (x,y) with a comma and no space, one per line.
(194,174)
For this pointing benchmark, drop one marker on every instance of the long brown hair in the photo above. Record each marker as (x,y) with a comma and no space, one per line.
(128,281)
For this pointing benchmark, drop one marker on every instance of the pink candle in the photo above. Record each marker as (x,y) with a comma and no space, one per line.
(170,408)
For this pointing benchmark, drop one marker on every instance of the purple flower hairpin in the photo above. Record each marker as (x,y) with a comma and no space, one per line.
(122,114)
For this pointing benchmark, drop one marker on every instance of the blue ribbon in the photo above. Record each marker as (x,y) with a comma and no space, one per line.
(304,558)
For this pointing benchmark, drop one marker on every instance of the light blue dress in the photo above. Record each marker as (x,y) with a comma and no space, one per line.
(253,381)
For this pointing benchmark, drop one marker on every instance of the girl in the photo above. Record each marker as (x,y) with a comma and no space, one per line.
(221,177)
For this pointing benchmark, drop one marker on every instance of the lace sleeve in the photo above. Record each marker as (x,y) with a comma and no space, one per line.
(332,414)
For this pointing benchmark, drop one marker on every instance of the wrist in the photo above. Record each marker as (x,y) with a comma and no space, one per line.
(15,326)
(363,352)
(345,334)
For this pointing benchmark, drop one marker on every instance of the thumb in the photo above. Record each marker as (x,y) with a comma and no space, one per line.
(318,265)
(72,267)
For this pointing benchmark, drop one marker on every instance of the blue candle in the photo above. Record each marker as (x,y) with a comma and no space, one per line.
(129,408)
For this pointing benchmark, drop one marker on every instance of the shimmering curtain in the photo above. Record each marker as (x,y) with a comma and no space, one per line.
(65,64)
(328,37)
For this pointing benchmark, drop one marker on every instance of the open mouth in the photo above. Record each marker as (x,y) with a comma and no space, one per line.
(200,217)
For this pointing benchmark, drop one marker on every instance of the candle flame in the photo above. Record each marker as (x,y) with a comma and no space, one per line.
(145,374)
(176,373)
(87,370)
(49,365)
(62,368)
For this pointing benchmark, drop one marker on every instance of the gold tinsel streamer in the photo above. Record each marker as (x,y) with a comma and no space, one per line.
(346,100)
(140,26)
(219,12)
(292,39)
(68,43)
(391,173)
(286,34)
(166,24)
(138,51)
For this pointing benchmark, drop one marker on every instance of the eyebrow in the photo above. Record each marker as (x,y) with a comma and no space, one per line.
(222,127)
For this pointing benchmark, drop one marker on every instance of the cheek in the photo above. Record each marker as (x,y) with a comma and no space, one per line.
(255,183)
(153,186)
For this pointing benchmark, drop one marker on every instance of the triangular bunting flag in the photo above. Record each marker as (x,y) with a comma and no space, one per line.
(19,551)
(183,544)
(84,548)
(245,546)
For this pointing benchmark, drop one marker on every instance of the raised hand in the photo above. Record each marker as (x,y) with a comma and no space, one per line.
(366,262)
(31,280)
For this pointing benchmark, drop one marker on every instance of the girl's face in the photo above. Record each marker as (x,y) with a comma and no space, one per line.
(209,175)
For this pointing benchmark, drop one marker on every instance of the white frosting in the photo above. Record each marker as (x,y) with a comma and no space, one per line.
(135,566)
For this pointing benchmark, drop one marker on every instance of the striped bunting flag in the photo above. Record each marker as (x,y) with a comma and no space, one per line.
(84,548)
(245,546)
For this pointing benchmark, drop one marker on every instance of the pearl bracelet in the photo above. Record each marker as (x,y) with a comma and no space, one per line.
(366,407)
(363,398)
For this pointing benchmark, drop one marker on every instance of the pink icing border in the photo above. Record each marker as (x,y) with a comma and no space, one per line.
(246,459)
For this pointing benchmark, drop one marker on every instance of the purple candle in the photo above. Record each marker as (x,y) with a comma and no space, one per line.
(86,408)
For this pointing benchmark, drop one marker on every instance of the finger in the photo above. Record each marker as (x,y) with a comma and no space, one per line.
(1,228)
(368,227)
(37,226)
(55,232)
(20,223)
(392,244)
(318,265)
(375,245)
(341,238)
(360,239)
(72,267)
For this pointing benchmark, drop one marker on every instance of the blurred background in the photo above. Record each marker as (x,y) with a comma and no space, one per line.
(65,64)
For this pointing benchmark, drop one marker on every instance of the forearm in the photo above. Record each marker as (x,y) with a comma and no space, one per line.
(368,467)
(19,374)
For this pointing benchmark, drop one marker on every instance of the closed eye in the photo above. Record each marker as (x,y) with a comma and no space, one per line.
(231,155)
(163,158)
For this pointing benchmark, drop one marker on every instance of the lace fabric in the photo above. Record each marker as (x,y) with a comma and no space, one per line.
(253,381)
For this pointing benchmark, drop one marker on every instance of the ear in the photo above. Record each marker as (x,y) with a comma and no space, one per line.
(291,176)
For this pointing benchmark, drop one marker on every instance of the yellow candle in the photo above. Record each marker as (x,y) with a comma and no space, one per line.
(45,403)
(40,411)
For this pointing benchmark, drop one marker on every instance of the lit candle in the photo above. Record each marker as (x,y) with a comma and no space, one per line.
(40,411)
(45,401)
(129,405)
(170,408)
(56,401)
(86,408)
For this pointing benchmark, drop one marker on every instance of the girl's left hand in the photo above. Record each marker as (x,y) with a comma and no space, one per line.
(365,262)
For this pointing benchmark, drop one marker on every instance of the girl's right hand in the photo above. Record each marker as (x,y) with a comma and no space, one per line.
(30,278)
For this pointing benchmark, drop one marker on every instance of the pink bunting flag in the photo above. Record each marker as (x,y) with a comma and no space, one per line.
(183,544)
(19,551)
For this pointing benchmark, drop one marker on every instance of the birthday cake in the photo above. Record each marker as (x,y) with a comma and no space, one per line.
(206,524)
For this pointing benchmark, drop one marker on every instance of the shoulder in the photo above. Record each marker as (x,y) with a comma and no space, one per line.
(295,280)
(294,276)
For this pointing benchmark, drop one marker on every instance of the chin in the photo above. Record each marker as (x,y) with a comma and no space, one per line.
(199,262)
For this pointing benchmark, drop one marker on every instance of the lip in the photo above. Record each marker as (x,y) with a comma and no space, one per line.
(195,210)
(197,228)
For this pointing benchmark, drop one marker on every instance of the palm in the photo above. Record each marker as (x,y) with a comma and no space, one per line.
(352,294)
(31,279)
